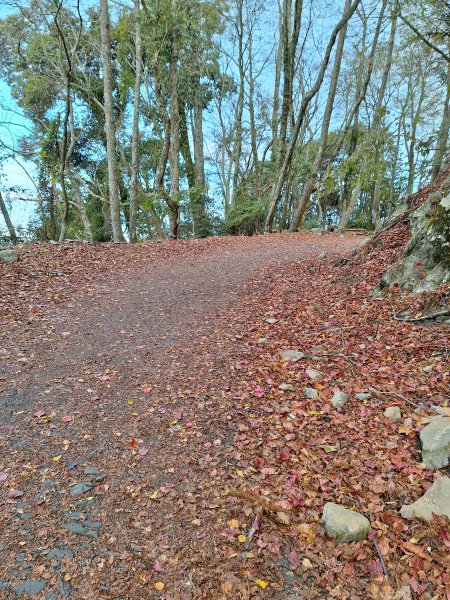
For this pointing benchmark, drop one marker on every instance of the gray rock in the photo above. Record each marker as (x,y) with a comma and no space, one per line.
(8,256)
(311,393)
(51,596)
(339,399)
(32,587)
(91,470)
(262,340)
(286,387)
(313,374)
(81,488)
(344,525)
(436,500)
(363,396)
(271,321)
(435,439)
(408,422)
(82,529)
(427,369)
(445,202)
(4,585)
(60,553)
(292,356)
(393,413)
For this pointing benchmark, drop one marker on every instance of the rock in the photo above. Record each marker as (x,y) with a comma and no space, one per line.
(393,413)
(8,256)
(435,439)
(443,410)
(271,321)
(81,488)
(292,356)
(339,399)
(311,393)
(403,593)
(363,396)
(32,587)
(436,500)
(445,202)
(83,529)
(60,553)
(286,387)
(408,422)
(262,341)
(344,525)
(427,369)
(90,470)
(312,373)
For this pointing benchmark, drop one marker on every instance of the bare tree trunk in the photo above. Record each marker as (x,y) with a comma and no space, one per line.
(200,228)
(110,130)
(237,149)
(285,168)
(312,181)
(442,138)
(82,210)
(174,129)
(135,130)
(7,218)
(347,213)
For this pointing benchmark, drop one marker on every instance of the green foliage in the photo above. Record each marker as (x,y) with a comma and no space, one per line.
(246,218)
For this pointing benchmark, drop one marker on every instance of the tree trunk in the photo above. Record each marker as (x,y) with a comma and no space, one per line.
(82,210)
(201,227)
(110,130)
(135,130)
(285,168)
(237,149)
(174,129)
(345,217)
(6,217)
(442,138)
(312,182)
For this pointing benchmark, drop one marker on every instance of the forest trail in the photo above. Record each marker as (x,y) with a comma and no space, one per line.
(132,411)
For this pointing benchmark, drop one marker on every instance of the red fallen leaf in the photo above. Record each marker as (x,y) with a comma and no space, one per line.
(208,458)
(417,563)
(418,265)
(285,456)
(370,464)
(3,476)
(375,568)
(157,567)
(177,415)
(65,333)
(15,494)
(133,443)
(294,559)
(39,413)
(188,424)
(259,392)
(143,451)
(164,489)
(147,390)
(67,418)
(105,377)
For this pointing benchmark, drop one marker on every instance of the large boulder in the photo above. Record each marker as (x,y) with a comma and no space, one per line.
(425,264)
(8,256)
(344,525)
(435,501)
(435,439)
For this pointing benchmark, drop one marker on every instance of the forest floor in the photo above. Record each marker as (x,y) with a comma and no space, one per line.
(154,443)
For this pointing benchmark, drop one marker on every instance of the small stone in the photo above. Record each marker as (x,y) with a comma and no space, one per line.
(435,439)
(51,596)
(8,256)
(363,396)
(90,470)
(81,488)
(393,413)
(60,553)
(292,356)
(436,500)
(428,369)
(32,587)
(408,422)
(71,464)
(262,341)
(344,525)
(271,321)
(339,399)
(311,393)
(312,373)
(286,387)
(81,529)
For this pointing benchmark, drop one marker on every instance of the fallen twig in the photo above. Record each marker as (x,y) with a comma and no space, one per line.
(372,389)
(423,318)
(380,556)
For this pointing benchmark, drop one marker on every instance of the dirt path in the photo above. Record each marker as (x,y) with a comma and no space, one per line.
(125,424)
